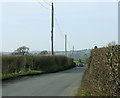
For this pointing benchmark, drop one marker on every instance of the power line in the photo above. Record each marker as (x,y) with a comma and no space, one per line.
(57,24)
(47,3)
(43,5)
(59,28)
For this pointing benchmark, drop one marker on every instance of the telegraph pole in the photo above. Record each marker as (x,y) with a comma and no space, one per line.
(73,51)
(52,25)
(66,45)
(119,30)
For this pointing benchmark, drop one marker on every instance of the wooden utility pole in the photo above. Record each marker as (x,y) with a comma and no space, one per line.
(118,23)
(66,45)
(52,25)
(73,51)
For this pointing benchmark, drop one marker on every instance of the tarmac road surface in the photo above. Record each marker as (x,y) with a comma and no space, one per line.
(64,83)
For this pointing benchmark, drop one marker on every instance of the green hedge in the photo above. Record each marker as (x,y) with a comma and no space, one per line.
(18,64)
(102,77)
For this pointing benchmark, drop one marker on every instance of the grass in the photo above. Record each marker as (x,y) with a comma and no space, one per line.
(17,65)
(33,72)
(76,60)
(84,93)
(20,74)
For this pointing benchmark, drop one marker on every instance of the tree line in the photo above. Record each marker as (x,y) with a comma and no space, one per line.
(25,51)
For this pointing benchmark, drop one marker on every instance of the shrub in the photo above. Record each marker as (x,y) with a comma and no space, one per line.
(19,63)
(102,76)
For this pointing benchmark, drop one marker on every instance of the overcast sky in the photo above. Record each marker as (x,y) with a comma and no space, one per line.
(85,24)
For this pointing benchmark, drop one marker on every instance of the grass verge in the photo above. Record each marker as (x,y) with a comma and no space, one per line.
(14,75)
(33,72)
(84,93)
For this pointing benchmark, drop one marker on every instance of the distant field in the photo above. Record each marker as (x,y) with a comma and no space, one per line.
(76,60)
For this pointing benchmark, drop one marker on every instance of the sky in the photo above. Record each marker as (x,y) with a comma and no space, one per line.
(86,24)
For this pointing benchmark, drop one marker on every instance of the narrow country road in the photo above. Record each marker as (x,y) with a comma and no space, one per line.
(64,83)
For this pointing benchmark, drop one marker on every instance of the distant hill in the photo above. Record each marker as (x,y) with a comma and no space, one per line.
(35,52)
(76,54)
(8,53)
(5,53)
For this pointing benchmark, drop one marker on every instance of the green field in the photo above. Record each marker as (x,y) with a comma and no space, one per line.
(76,60)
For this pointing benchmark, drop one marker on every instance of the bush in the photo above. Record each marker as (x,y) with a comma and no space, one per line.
(17,63)
(102,76)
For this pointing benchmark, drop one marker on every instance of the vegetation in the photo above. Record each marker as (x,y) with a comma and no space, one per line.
(111,44)
(43,52)
(21,51)
(20,74)
(102,76)
(13,64)
(84,93)
(21,62)
(77,60)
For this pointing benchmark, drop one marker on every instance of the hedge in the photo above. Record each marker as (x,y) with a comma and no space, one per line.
(18,64)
